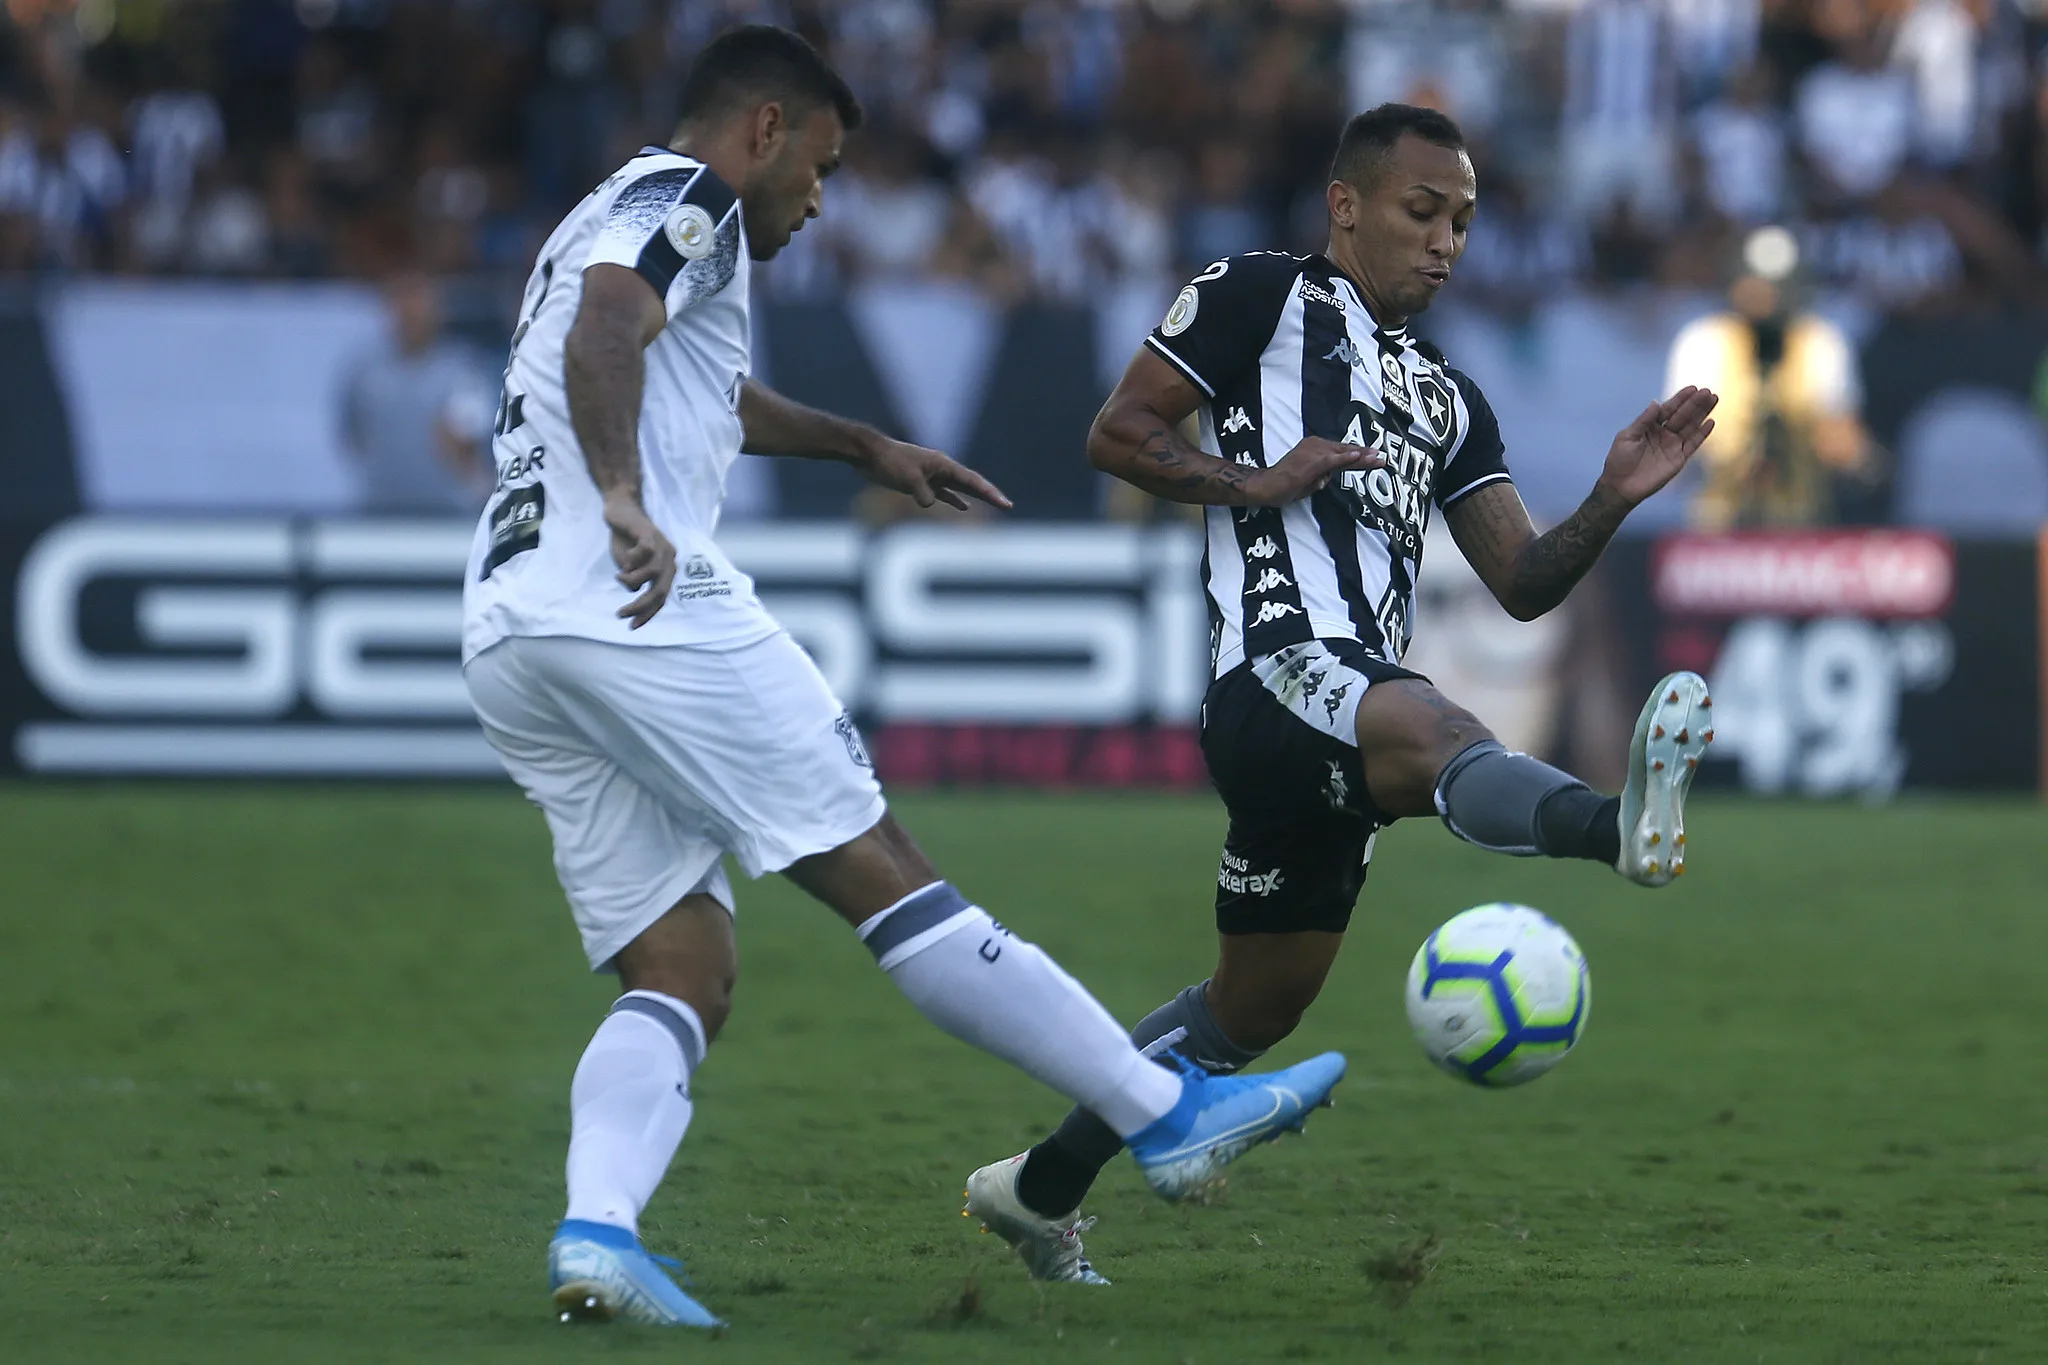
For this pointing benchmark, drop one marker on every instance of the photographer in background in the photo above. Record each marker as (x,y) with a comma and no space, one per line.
(1789,430)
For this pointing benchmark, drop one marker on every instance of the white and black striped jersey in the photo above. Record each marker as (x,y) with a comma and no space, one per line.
(541,563)
(1283,348)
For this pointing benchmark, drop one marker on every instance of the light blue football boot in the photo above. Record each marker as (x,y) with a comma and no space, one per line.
(1672,735)
(601,1273)
(1220,1118)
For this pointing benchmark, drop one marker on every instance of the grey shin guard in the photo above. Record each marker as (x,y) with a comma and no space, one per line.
(1501,801)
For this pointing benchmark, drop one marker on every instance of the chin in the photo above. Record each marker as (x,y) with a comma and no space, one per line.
(765,251)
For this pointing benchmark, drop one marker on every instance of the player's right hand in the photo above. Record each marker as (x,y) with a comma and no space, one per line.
(1306,468)
(644,555)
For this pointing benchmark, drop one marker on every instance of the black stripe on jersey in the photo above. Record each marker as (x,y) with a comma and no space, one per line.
(659,260)
(1326,406)
(1271,588)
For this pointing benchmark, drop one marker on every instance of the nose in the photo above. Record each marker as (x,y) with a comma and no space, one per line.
(1441,239)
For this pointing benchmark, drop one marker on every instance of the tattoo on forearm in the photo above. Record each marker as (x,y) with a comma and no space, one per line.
(1552,564)
(604,371)
(1166,466)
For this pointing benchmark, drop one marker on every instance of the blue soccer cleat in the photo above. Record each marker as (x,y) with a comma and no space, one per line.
(1220,1118)
(601,1273)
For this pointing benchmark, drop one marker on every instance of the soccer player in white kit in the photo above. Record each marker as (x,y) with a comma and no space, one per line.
(638,691)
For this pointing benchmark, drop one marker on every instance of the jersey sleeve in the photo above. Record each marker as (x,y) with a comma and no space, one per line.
(1222,320)
(1479,457)
(678,229)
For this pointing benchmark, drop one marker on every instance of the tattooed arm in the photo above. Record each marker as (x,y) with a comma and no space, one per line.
(1529,574)
(1136,438)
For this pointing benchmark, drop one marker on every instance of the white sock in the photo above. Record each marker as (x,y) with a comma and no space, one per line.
(985,986)
(629,1105)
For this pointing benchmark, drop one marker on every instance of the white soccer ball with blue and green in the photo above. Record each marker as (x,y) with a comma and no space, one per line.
(1499,994)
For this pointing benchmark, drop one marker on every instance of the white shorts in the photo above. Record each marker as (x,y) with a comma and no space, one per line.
(652,761)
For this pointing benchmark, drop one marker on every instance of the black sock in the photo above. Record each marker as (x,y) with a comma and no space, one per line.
(1578,822)
(1059,1171)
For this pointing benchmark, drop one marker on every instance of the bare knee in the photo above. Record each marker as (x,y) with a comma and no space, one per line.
(1407,732)
(688,954)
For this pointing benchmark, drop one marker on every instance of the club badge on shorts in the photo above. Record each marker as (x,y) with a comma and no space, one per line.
(690,231)
(856,749)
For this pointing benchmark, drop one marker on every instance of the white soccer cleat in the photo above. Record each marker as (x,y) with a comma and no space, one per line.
(1049,1247)
(1674,730)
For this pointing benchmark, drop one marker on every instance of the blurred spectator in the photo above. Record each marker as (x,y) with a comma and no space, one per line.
(1739,145)
(1223,216)
(1789,423)
(1855,117)
(417,411)
(888,216)
(65,182)
(1936,44)
(1620,99)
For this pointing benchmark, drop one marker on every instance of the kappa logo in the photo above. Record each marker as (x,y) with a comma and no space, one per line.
(1265,547)
(1337,791)
(1269,579)
(1335,701)
(1313,683)
(1237,422)
(1273,611)
(1347,352)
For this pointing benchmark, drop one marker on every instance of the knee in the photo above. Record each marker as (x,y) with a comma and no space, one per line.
(705,987)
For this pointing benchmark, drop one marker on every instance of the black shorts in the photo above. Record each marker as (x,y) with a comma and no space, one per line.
(1279,736)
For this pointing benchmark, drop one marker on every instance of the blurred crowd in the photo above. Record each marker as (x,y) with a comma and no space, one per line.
(1046,148)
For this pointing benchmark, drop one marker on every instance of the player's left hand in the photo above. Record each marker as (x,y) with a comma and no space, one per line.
(1651,450)
(927,476)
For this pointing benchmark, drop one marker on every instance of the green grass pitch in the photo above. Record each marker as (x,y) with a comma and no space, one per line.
(283,1078)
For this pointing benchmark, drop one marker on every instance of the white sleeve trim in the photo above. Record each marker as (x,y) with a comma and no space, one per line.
(1500,476)
(1157,345)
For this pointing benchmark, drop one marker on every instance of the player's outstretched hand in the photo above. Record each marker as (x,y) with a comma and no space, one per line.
(1306,468)
(927,476)
(644,555)
(1651,450)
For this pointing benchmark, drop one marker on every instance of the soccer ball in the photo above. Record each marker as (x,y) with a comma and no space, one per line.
(1499,994)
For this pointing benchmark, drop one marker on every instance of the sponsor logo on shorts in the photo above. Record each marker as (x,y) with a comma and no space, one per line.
(699,567)
(1236,876)
(849,734)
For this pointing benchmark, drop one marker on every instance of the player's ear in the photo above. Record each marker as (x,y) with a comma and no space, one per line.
(771,129)
(1343,201)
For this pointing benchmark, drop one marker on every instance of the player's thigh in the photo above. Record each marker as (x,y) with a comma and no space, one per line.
(625,856)
(1301,819)
(749,741)
(1406,732)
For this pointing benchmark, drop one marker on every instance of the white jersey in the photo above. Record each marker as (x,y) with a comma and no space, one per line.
(541,563)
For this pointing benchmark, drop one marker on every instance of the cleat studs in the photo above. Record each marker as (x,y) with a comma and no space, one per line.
(1680,841)
(1706,703)
(1692,761)
(1655,838)
(1657,766)
(1657,733)
(1684,736)
(1706,736)
(1678,869)
(1673,696)
(1652,866)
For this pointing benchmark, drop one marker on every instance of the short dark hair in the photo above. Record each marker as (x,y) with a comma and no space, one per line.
(761,62)
(1369,138)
